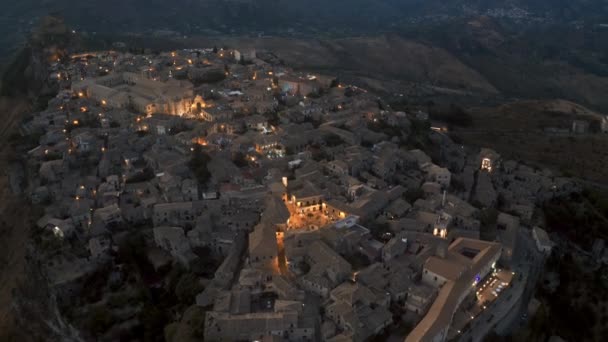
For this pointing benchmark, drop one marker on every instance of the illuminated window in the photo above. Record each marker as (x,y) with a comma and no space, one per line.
(486,164)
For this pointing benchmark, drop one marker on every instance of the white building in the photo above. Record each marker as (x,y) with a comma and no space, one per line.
(452,273)
(439,175)
(246,55)
(127,89)
(543,242)
(177,213)
(580,126)
(174,241)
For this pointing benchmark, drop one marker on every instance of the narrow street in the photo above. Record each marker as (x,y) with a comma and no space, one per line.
(283,268)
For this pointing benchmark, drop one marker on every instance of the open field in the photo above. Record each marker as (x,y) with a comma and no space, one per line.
(388,58)
(516,131)
(482,60)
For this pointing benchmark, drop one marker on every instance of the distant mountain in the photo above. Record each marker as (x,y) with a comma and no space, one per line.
(517,46)
(467,60)
(196,16)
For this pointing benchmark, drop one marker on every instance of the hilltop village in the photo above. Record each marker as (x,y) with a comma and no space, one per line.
(252,202)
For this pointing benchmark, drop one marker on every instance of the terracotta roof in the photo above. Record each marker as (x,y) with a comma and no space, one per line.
(448,269)
(439,317)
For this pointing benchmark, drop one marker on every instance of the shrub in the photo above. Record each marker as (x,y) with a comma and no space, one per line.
(99,320)
(198,164)
(187,288)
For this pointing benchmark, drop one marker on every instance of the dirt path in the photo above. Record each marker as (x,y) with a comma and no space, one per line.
(14,225)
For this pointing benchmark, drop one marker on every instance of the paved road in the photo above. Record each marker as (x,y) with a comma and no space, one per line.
(535,262)
(528,268)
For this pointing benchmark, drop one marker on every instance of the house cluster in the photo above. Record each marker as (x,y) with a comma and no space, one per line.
(314,199)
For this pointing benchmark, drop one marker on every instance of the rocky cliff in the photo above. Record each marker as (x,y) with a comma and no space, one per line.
(28,73)
(28,310)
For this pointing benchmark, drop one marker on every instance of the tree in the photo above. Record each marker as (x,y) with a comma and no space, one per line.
(358,260)
(304,266)
(99,320)
(488,216)
(379,230)
(198,164)
(153,320)
(239,159)
(333,140)
(273,118)
(132,251)
(453,115)
(411,195)
(187,288)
